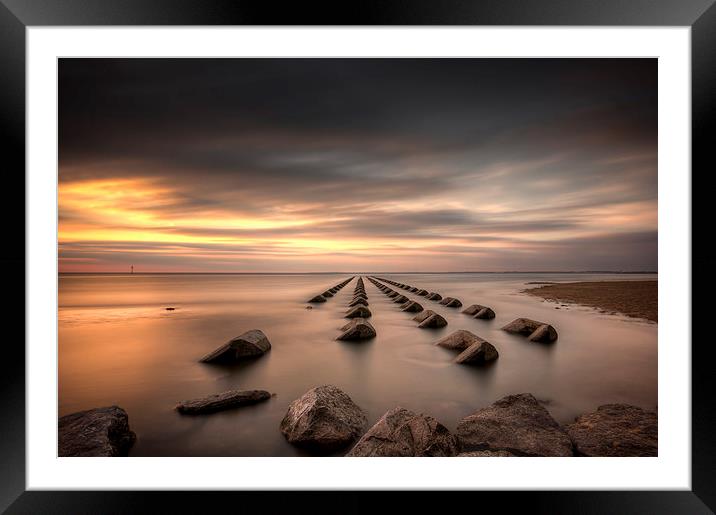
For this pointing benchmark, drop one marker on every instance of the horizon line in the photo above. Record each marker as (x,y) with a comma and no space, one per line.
(653,272)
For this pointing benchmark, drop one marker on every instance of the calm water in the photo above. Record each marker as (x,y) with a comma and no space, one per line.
(118,345)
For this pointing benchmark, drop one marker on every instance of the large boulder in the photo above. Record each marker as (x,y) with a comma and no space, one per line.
(359,311)
(222,401)
(317,299)
(324,418)
(534,330)
(251,344)
(459,340)
(401,433)
(95,432)
(615,430)
(357,329)
(411,307)
(517,424)
(478,311)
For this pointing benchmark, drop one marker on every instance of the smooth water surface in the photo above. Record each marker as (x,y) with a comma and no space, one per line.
(119,345)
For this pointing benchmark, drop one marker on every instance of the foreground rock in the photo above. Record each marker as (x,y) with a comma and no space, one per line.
(478,311)
(222,401)
(615,430)
(95,432)
(534,330)
(359,312)
(517,424)
(401,433)
(251,344)
(357,329)
(324,418)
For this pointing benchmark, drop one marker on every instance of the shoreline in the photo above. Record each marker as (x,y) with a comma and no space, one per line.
(634,299)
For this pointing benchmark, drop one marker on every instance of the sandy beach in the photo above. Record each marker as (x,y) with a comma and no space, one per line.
(636,299)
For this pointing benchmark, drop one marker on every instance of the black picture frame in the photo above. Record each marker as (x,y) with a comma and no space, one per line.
(17,15)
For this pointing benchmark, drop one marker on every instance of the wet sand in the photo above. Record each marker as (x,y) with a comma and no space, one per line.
(636,299)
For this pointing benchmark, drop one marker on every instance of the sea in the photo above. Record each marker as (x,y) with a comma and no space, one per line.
(118,344)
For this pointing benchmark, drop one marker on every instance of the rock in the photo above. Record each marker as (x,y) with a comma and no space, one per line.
(434,321)
(516,423)
(170,309)
(459,340)
(487,454)
(357,329)
(95,432)
(401,299)
(426,313)
(478,353)
(615,430)
(324,418)
(317,298)
(422,293)
(413,289)
(535,331)
(393,294)
(309,307)
(359,312)
(445,300)
(360,296)
(402,433)
(454,303)
(222,401)
(251,344)
(358,302)
(479,311)
(411,307)
(434,296)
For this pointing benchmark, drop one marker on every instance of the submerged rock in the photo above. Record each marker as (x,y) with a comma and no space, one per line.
(411,307)
(95,432)
(434,321)
(222,401)
(251,344)
(615,430)
(517,424)
(324,418)
(401,433)
(317,299)
(459,340)
(357,329)
(359,312)
(534,330)
(478,353)
(478,311)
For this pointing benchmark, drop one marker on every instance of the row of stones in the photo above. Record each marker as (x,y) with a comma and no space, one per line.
(534,331)
(426,318)
(358,328)
(330,292)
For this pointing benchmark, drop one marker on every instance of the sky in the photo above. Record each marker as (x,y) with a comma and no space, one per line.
(380,165)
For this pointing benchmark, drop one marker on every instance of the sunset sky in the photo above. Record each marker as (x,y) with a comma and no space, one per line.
(317,165)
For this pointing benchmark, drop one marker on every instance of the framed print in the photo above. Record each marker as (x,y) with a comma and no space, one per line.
(410,249)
